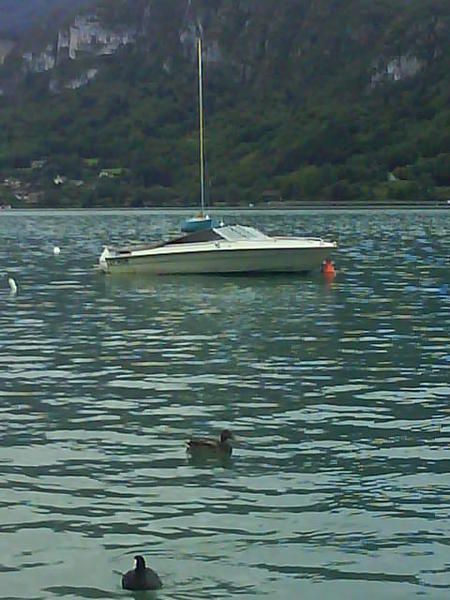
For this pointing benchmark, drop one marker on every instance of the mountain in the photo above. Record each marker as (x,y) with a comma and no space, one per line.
(306,101)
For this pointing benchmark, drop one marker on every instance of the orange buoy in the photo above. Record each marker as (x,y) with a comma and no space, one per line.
(328,268)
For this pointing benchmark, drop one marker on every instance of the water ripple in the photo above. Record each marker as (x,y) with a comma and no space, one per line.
(337,394)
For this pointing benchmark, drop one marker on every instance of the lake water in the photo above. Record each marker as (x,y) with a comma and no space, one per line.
(338,393)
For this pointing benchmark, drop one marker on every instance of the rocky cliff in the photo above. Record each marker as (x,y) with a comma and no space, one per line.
(296,41)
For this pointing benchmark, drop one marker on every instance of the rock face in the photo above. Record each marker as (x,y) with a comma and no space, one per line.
(82,79)
(85,36)
(88,35)
(256,41)
(6,46)
(397,69)
(40,62)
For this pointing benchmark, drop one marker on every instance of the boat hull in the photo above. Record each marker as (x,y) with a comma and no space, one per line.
(222,260)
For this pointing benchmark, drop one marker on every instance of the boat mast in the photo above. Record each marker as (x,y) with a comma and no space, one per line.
(201,128)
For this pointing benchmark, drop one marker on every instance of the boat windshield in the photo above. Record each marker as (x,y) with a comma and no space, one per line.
(230,233)
(236,233)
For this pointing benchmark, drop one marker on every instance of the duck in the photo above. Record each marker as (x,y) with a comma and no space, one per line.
(141,578)
(221,447)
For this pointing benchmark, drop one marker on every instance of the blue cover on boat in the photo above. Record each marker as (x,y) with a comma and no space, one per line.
(198,224)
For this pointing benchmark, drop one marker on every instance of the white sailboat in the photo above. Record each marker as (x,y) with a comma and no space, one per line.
(210,247)
(227,249)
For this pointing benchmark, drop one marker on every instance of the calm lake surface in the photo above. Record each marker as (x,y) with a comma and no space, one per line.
(339,394)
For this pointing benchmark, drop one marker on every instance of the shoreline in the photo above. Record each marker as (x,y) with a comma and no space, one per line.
(243,210)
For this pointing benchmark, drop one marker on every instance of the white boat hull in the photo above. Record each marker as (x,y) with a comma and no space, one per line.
(280,256)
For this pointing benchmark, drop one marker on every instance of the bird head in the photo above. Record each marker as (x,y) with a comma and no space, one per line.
(226,435)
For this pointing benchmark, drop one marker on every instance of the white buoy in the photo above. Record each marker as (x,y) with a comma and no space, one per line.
(12,286)
(56,250)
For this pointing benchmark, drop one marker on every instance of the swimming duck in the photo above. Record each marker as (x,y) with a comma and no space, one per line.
(221,447)
(141,578)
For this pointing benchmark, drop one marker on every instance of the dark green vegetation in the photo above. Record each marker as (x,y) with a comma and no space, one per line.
(309,101)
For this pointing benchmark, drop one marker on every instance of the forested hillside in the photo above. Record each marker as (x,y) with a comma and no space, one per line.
(306,101)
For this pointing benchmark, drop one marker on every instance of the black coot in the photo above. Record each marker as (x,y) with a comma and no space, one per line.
(141,578)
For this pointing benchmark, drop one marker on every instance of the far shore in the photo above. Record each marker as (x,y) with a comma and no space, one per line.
(440,206)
